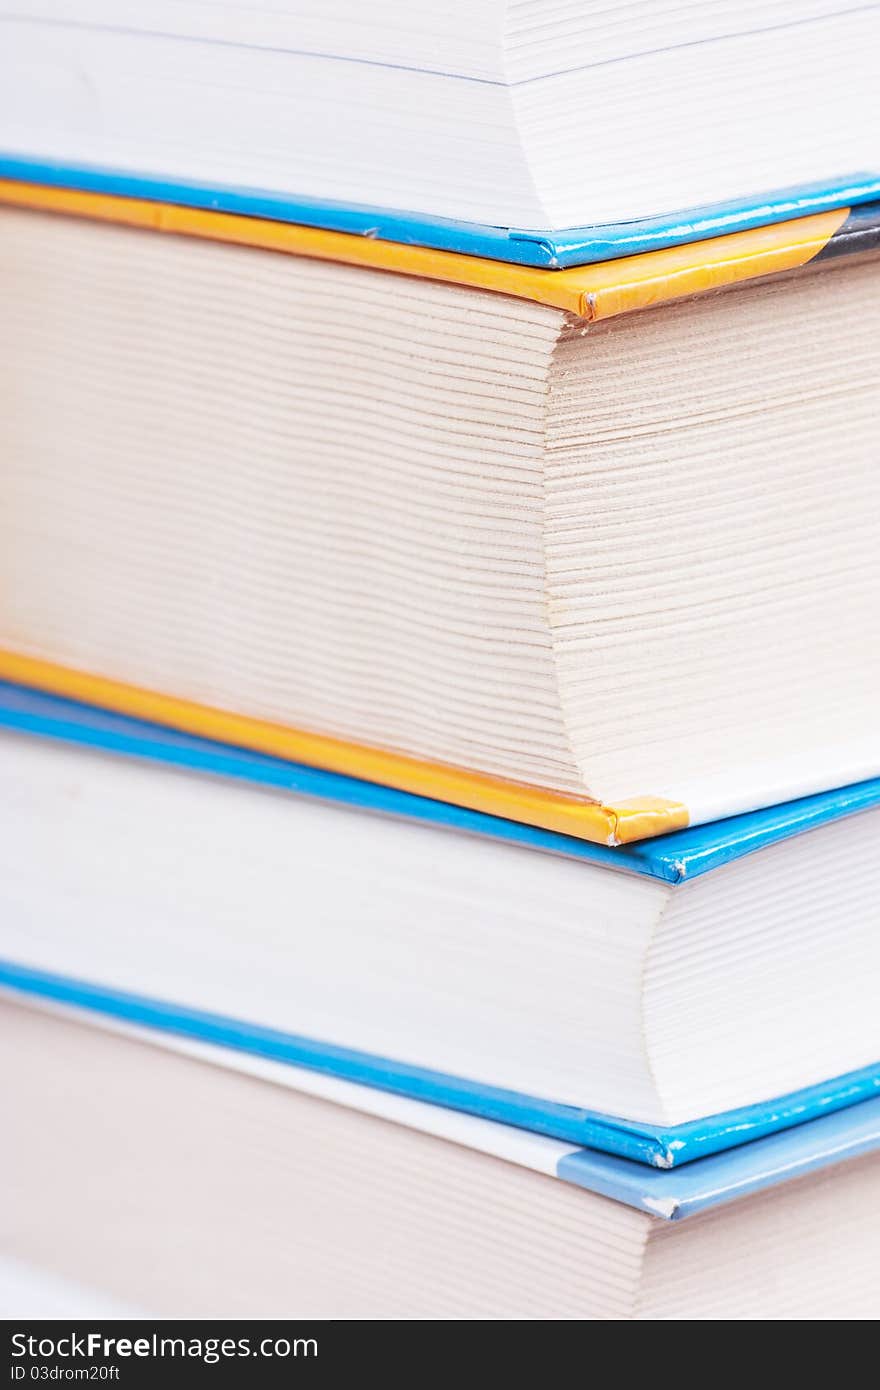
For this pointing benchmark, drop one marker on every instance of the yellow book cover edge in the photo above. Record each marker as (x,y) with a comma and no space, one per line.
(634,819)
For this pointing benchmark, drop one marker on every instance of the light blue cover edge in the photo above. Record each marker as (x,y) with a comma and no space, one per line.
(641,1144)
(557,250)
(685,854)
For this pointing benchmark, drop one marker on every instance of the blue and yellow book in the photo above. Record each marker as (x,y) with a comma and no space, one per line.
(439,567)
(590,548)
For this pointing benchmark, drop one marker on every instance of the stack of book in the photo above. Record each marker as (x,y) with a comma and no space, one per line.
(439,660)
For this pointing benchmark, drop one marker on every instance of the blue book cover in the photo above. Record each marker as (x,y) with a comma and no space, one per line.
(674,1195)
(857,196)
(672,858)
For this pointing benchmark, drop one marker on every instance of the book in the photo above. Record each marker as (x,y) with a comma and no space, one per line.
(453,539)
(438,586)
(285,1190)
(596,996)
(506,125)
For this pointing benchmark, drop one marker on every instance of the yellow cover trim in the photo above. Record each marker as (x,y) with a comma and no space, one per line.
(592,292)
(635,819)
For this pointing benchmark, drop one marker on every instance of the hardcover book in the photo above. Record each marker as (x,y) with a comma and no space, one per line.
(289,1191)
(543,131)
(439,567)
(498,542)
(596,996)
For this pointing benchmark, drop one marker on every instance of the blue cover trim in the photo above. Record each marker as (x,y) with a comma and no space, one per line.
(675,1195)
(550,250)
(587,245)
(684,854)
(641,1144)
